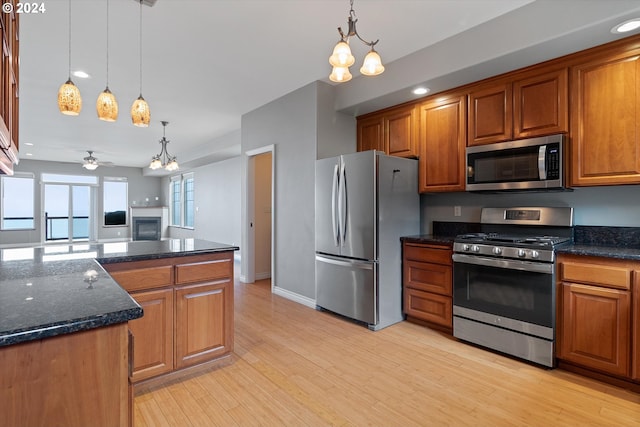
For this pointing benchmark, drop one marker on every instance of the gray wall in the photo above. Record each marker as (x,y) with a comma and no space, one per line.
(611,206)
(302,125)
(217,202)
(139,189)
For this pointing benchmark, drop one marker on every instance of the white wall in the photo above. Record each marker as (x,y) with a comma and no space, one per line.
(301,125)
(139,188)
(217,202)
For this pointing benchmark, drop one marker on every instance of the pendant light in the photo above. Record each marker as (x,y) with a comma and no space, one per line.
(69,100)
(342,59)
(164,159)
(140,113)
(106,105)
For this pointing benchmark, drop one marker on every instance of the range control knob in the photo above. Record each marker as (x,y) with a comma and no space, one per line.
(475,248)
(465,247)
(522,253)
(535,254)
(497,250)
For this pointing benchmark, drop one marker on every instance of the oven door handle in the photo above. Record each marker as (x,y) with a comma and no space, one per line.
(511,264)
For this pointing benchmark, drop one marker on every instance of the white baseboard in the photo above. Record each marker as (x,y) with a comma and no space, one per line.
(263,275)
(301,299)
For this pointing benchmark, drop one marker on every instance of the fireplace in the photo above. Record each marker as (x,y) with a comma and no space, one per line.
(147,228)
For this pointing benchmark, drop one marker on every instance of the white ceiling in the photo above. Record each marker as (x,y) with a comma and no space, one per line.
(208,62)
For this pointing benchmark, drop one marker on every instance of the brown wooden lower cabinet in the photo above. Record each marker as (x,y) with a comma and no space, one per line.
(78,379)
(427,284)
(595,314)
(188,310)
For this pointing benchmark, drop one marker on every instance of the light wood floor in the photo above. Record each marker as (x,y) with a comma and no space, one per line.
(295,366)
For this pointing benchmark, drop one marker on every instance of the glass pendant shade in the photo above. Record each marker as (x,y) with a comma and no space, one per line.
(340,74)
(90,166)
(372,65)
(155,163)
(172,165)
(342,56)
(107,106)
(140,113)
(69,99)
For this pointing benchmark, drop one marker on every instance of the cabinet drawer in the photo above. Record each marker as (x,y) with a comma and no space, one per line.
(204,271)
(429,307)
(601,275)
(144,278)
(427,254)
(428,277)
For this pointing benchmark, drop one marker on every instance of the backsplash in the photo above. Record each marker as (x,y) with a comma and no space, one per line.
(624,237)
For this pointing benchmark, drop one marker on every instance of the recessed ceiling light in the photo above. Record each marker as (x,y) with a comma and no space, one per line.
(626,26)
(421,90)
(29,154)
(81,74)
(30,144)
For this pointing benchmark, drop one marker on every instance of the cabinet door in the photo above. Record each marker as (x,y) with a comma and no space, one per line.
(595,327)
(429,307)
(428,277)
(204,322)
(490,114)
(401,131)
(153,334)
(442,144)
(540,105)
(605,130)
(371,134)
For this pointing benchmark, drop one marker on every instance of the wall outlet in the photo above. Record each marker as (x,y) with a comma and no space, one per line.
(457,211)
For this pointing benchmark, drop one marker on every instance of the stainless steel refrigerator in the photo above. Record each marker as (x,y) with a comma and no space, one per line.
(364,203)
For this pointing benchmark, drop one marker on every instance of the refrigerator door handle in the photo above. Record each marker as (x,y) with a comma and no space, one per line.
(364,265)
(334,190)
(342,204)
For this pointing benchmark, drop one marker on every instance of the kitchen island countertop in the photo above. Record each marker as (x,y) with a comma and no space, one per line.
(59,289)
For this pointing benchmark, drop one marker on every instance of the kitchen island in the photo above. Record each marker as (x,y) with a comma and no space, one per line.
(64,328)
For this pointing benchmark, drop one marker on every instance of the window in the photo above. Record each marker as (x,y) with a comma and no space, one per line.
(182,192)
(17,202)
(115,201)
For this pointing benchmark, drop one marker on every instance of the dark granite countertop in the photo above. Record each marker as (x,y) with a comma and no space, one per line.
(632,254)
(53,290)
(429,239)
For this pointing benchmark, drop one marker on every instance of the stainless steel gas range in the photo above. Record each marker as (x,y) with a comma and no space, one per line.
(504,291)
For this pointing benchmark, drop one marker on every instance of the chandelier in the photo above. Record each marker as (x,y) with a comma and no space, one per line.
(90,162)
(342,59)
(164,159)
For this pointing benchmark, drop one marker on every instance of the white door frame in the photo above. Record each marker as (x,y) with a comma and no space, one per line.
(248,272)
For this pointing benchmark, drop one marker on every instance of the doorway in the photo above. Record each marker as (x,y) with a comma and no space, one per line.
(258,258)
(67,212)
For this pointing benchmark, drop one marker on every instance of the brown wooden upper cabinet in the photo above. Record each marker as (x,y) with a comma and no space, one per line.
(531,103)
(442,143)
(9,78)
(393,131)
(605,126)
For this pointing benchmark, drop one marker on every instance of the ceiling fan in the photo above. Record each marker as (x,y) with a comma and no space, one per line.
(92,163)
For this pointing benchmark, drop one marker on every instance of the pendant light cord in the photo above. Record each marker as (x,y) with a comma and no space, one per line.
(69,39)
(140,47)
(107,44)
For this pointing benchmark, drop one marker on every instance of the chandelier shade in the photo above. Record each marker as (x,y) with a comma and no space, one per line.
(372,65)
(342,58)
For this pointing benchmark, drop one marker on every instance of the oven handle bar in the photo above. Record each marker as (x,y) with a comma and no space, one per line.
(535,267)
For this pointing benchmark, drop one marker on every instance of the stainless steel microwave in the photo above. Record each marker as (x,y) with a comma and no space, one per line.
(535,163)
